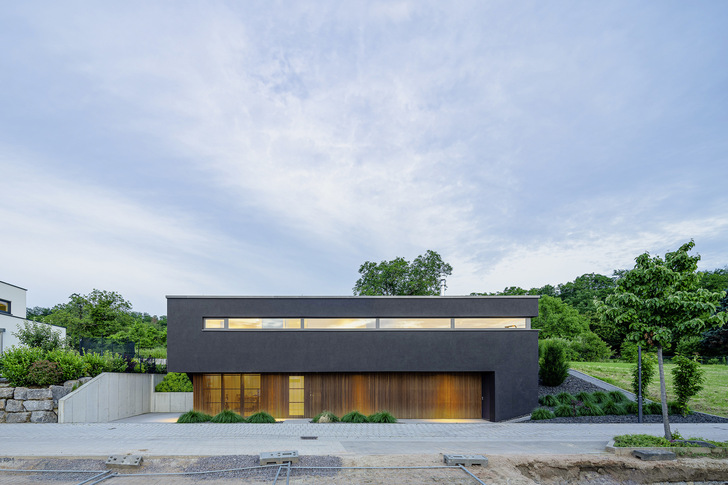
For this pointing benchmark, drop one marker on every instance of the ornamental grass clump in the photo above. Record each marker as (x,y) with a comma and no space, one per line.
(227,416)
(194,417)
(548,400)
(261,417)
(613,408)
(564,411)
(565,398)
(589,409)
(652,408)
(326,417)
(617,397)
(600,396)
(382,417)
(586,397)
(542,413)
(354,417)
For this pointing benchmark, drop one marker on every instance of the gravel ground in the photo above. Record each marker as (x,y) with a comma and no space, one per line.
(574,385)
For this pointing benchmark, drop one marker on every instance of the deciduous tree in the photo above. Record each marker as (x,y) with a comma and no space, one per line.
(423,276)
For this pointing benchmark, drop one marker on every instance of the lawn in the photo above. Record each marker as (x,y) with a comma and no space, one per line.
(713,399)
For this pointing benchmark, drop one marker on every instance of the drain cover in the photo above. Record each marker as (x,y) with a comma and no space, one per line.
(124,461)
(309,437)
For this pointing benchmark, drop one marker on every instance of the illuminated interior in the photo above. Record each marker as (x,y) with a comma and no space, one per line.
(410,323)
(4,306)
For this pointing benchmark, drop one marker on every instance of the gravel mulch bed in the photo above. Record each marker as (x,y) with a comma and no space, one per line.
(574,385)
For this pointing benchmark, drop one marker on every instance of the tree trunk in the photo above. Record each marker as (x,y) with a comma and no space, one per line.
(663,394)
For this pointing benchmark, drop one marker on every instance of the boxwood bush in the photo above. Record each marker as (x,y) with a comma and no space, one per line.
(174,382)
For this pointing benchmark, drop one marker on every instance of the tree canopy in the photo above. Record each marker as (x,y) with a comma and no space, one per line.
(558,319)
(423,276)
(660,299)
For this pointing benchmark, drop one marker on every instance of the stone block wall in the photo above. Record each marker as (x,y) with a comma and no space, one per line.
(25,405)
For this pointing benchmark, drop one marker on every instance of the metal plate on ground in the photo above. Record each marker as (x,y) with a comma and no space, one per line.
(466,460)
(654,455)
(278,457)
(124,461)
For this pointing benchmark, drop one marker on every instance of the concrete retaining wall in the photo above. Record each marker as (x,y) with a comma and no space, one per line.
(171,402)
(109,396)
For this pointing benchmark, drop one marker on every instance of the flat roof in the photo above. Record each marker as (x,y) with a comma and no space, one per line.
(15,286)
(350,297)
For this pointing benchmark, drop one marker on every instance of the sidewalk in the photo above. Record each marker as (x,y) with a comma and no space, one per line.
(163,439)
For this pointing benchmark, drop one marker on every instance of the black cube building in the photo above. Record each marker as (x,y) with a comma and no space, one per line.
(417,357)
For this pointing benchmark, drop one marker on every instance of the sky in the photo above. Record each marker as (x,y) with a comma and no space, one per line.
(270,148)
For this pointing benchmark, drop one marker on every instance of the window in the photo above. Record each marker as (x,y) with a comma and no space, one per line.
(4,306)
(490,323)
(295,396)
(340,323)
(414,323)
(251,323)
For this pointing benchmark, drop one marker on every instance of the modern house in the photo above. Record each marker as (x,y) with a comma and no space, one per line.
(12,315)
(417,357)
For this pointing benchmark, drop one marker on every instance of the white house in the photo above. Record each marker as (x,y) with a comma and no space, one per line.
(12,315)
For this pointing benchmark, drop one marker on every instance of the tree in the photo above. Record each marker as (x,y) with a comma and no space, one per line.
(39,335)
(423,276)
(659,298)
(558,319)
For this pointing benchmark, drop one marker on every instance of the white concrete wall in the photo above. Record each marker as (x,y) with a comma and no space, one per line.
(112,396)
(13,321)
(108,397)
(171,402)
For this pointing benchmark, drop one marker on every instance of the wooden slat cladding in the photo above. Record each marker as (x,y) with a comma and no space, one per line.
(406,395)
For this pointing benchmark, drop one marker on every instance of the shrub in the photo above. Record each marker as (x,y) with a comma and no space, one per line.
(153,353)
(261,417)
(69,361)
(613,408)
(194,417)
(589,409)
(326,417)
(39,335)
(588,347)
(43,373)
(553,367)
(382,417)
(648,374)
(93,364)
(542,413)
(617,397)
(565,398)
(354,417)
(227,416)
(15,363)
(114,362)
(586,397)
(688,378)
(689,346)
(600,396)
(548,400)
(631,407)
(174,382)
(564,411)
(628,351)
(674,407)
(637,440)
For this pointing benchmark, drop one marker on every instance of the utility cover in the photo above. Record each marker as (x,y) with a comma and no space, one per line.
(279,457)
(124,461)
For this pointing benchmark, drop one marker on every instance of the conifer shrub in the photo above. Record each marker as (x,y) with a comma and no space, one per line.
(354,417)
(542,413)
(553,367)
(261,417)
(326,417)
(194,417)
(649,363)
(688,378)
(43,373)
(565,398)
(382,417)
(227,416)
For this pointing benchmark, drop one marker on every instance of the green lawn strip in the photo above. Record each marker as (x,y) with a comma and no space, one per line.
(644,440)
(713,399)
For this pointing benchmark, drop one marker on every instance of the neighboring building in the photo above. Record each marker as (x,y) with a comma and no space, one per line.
(12,315)
(417,357)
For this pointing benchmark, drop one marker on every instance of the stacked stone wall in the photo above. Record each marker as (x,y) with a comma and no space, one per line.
(28,405)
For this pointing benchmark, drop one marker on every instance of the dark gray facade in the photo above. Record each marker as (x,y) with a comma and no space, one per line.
(509,357)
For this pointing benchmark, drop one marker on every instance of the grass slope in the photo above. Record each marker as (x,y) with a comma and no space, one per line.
(713,399)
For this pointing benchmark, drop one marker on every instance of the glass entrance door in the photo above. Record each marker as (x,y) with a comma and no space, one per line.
(251,394)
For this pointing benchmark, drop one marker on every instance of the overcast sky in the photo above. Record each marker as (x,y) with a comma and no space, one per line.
(270,148)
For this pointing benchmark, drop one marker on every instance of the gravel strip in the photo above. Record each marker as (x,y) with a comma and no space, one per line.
(574,385)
